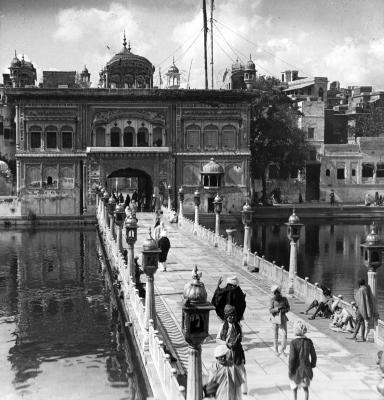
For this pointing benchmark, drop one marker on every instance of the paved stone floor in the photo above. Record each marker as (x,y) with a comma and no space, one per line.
(345,370)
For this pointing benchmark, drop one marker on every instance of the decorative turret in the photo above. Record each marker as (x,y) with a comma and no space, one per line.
(22,72)
(173,76)
(250,74)
(85,78)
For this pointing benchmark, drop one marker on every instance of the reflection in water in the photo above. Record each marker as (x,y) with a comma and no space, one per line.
(63,339)
(328,253)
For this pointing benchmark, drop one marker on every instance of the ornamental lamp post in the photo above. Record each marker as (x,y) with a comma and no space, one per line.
(150,263)
(111,210)
(195,324)
(293,233)
(246,217)
(169,187)
(196,199)
(372,258)
(181,198)
(105,205)
(130,225)
(218,205)
(119,220)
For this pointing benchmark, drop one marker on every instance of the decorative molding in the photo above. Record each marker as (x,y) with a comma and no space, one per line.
(105,117)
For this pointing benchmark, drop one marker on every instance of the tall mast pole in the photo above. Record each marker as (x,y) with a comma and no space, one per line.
(212,1)
(205,43)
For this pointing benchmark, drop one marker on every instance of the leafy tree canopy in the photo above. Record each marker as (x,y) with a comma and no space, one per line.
(370,124)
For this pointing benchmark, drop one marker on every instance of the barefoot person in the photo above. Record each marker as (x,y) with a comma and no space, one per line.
(302,359)
(278,309)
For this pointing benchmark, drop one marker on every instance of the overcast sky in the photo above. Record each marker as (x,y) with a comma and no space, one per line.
(340,39)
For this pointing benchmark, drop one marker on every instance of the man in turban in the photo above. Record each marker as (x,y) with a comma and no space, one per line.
(231,294)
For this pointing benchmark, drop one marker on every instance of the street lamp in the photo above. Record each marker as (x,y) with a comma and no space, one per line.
(150,263)
(111,210)
(293,233)
(130,226)
(218,205)
(196,199)
(195,324)
(372,258)
(246,216)
(119,220)
(181,198)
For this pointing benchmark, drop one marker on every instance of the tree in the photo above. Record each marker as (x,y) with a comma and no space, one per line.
(275,138)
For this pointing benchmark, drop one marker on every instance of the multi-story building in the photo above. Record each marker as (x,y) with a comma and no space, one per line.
(126,133)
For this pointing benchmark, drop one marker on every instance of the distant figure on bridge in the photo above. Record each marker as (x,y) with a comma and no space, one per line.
(368,199)
(302,359)
(173,216)
(164,245)
(225,381)
(230,294)
(127,200)
(157,231)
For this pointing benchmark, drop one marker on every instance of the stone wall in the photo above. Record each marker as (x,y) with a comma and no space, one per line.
(10,207)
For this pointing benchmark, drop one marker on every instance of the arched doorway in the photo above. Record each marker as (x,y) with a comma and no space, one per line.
(128,180)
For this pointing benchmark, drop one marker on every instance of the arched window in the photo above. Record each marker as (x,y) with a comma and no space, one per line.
(327,172)
(228,135)
(51,137)
(35,137)
(192,137)
(100,136)
(129,133)
(211,137)
(66,137)
(157,136)
(142,137)
(115,137)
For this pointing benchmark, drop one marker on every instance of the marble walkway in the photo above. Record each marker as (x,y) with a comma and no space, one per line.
(345,370)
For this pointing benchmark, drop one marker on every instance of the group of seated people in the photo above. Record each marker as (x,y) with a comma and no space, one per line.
(342,319)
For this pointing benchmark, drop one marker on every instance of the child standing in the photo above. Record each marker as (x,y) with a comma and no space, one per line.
(302,359)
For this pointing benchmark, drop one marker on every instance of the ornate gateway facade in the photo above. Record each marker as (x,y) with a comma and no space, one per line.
(69,140)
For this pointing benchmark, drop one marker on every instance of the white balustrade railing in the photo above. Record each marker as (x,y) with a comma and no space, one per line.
(167,374)
(302,287)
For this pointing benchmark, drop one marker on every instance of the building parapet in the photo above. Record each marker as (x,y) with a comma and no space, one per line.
(128,150)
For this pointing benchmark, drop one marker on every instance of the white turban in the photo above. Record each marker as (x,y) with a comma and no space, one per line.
(274,288)
(163,233)
(232,280)
(221,351)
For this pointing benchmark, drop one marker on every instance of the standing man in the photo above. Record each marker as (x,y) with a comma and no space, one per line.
(231,294)
(332,197)
(365,307)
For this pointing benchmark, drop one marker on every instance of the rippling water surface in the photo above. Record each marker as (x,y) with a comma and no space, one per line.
(59,332)
(328,252)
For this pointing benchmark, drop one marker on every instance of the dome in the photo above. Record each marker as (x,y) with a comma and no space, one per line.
(250,63)
(194,291)
(124,57)
(213,168)
(15,62)
(294,219)
(237,65)
(173,69)
(85,70)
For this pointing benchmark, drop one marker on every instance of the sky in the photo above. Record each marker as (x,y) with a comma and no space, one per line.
(340,39)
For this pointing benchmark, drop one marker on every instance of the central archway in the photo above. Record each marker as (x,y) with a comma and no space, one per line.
(127,180)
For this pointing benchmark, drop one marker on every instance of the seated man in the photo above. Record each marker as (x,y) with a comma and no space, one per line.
(323,308)
(342,318)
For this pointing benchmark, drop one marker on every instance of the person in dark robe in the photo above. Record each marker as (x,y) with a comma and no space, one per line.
(121,198)
(231,294)
(302,360)
(164,245)
(127,200)
(134,195)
